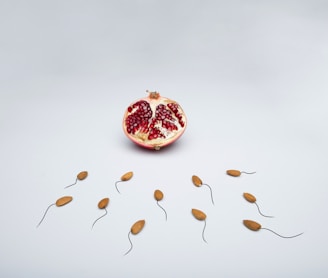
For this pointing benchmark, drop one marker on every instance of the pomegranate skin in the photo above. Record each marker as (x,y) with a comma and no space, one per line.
(154,122)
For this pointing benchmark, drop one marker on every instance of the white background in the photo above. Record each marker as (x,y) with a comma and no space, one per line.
(252,77)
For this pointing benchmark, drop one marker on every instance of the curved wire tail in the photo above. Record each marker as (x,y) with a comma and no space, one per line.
(71,184)
(99,218)
(116,186)
(130,243)
(163,210)
(204,231)
(281,235)
(44,215)
(211,193)
(249,173)
(258,208)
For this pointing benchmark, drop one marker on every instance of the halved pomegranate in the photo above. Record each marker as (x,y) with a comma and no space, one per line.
(154,121)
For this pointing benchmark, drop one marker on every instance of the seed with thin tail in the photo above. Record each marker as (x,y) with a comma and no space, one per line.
(201,216)
(80,177)
(59,203)
(135,229)
(158,195)
(251,198)
(127,176)
(103,203)
(254,226)
(237,173)
(198,182)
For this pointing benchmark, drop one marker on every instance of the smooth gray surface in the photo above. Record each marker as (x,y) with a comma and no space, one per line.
(252,79)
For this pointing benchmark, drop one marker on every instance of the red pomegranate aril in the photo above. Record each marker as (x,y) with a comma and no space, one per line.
(154,122)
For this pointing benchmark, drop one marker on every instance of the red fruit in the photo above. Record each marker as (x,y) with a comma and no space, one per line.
(154,121)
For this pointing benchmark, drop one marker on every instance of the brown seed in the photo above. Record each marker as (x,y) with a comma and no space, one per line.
(198,214)
(237,173)
(60,202)
(249,197)
(103,203)
(137,227)
(196,181)
(234,173)
(82,175)
(252,225)
(158,195)
(127,176)
(63,201)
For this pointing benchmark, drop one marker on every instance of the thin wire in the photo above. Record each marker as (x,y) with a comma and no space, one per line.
(204,231)
(130,243)
(99,218)
(281,235)
(44,215)
(258,208)
(248,172)
(163,210)
(211,193)
(71,184)
(116,186)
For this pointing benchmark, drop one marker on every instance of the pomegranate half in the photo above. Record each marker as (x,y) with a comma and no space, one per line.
(154,121)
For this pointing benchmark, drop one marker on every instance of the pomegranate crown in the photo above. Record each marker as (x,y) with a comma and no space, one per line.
(154,95)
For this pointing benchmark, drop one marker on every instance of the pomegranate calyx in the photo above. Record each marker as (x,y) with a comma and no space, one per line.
(153,95)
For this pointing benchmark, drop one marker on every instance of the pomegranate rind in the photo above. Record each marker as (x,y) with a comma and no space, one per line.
(141,138)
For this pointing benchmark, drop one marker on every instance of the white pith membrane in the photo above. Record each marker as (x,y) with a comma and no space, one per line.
(168,129)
